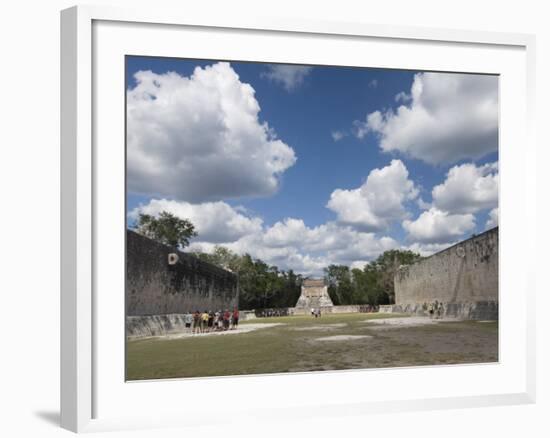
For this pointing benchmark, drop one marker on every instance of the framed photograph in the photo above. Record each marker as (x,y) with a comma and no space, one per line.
(312,218)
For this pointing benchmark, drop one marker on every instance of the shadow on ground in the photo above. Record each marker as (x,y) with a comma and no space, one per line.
(51,417)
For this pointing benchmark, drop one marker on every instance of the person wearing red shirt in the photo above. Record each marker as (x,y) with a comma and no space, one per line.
(235,319)
(226,318)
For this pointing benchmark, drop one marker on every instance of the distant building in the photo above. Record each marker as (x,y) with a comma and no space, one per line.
(314,295)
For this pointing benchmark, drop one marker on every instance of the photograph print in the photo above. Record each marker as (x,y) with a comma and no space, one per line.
(297,218)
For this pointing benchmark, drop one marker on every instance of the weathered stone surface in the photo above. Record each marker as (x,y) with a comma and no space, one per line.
(466,272)
(478,310)
(154,325)
(314,295)
(329,309)
(463,277)
(156,285)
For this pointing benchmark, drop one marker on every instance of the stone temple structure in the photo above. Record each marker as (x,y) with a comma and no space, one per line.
(314,295)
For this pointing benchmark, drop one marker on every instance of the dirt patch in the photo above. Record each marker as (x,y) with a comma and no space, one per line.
(343,338)
(246,328)
(282,349)
(325,327)
(413,321)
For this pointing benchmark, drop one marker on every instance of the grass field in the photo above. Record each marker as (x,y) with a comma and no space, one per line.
(295,346)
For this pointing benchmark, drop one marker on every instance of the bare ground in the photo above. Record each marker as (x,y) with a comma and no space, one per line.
(292,344)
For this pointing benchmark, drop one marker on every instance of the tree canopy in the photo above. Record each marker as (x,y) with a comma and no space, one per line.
(166,228)
(371,285)
(265,286)
(260,285)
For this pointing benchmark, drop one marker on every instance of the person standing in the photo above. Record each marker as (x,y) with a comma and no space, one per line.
(210,320)
(235,319)
(440,310)
(196,322)
(204,321)
(226,316)
(188,320)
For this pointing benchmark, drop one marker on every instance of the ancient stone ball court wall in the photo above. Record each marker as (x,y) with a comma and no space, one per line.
(464,276)
(157,283)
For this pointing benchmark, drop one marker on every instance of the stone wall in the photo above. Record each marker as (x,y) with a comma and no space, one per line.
(154,325)
(353,308)
(296,311)
(156,287)
(160,325)
(462,277)
(474,310)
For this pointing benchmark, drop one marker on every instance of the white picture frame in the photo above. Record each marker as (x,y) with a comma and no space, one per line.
(92,394)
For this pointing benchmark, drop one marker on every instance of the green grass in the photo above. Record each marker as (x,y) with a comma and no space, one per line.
(292,347)
(305,320)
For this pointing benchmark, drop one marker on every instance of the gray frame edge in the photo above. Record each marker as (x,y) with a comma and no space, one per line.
(68,327)
(76,236)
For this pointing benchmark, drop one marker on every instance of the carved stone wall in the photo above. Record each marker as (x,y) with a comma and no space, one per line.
(161,280)
(459,277)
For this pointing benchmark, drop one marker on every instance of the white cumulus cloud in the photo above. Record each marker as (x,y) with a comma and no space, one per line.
(436,226)
(359,264)
(338,241)
(337,135)
(326,243)
(493,219)
(402,97)
(468,189)
(289,232)
(377,202)
(427,249)
(288,244)
(289,77)
(445,117)
(291,244)
(199,138)
(215,222)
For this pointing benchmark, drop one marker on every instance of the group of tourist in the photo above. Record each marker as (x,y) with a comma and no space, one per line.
(368,308)
(267,313)
(316,312)
(209,321)
(435,309)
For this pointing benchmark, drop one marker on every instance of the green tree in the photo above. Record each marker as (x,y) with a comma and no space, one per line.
(222,257)
(361,287)
(374,284)
(382,272)
(260,285)
(166,228)
(339,282)
(264,286)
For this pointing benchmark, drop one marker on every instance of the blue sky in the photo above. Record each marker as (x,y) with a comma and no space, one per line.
(293,150)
